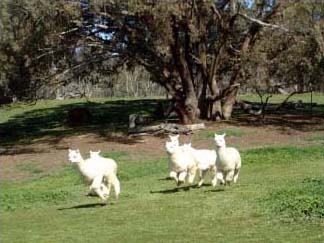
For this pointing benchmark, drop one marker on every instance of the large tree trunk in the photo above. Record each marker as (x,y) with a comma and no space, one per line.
(186,113)
(215,110)
(229,103)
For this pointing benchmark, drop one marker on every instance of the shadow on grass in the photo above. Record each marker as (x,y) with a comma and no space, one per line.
(165,179)
(174,190)
(88,205)
(216,190)
(302,119)
(50,124)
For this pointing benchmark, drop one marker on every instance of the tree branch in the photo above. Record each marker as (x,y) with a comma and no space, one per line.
(264,24)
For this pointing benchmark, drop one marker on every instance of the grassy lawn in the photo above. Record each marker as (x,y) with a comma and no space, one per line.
(277,199)
(278,98)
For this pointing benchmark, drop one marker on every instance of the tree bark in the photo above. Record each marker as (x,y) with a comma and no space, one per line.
(229,103)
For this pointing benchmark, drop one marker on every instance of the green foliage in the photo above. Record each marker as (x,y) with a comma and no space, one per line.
(298,201)
(30,44)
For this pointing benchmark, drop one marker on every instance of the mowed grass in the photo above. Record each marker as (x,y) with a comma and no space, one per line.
(230,132)
(278,98)
(278,198)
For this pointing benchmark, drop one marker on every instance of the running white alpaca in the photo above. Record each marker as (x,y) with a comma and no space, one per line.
(205,160)
(100,172)
(181,164)
(96,155)
(228,160)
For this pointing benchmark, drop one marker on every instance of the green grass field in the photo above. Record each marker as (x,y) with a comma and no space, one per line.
(277,199)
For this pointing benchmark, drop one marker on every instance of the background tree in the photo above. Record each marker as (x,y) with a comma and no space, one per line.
(29,43)
(200,51)
(291,63)
(193,49)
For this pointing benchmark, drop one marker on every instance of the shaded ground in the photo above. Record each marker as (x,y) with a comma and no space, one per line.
(34,139)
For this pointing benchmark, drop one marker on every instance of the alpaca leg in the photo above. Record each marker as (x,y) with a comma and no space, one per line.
(191,174)
(117,188)
(182,177)
(202,175)
(214,181)
(236,174)
(116,185)
(229,177)
(112,180)
(213,174)
(105,189)
(219,177)
(191,178)
(174,176)
(96,186)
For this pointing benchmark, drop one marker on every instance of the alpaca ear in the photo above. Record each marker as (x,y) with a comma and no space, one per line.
(78,150)
(99,151)
(177,136)
(224,134)
(90,151)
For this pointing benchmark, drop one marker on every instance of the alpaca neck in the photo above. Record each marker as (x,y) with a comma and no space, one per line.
(221,151)
(220,148)
(81,164)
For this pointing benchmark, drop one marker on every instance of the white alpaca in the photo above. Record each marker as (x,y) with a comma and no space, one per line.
(181,164)
(228,160)
(205,160)
(96,155)
(99,172)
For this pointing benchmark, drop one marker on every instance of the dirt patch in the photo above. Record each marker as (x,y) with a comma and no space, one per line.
(25,161)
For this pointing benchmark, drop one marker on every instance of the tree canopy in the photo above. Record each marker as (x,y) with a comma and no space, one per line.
(200,51)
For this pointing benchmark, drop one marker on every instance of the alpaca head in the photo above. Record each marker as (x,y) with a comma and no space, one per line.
(186,147)
(174,139)
(75,156)
(94,154)
(171,147)
(220,140)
